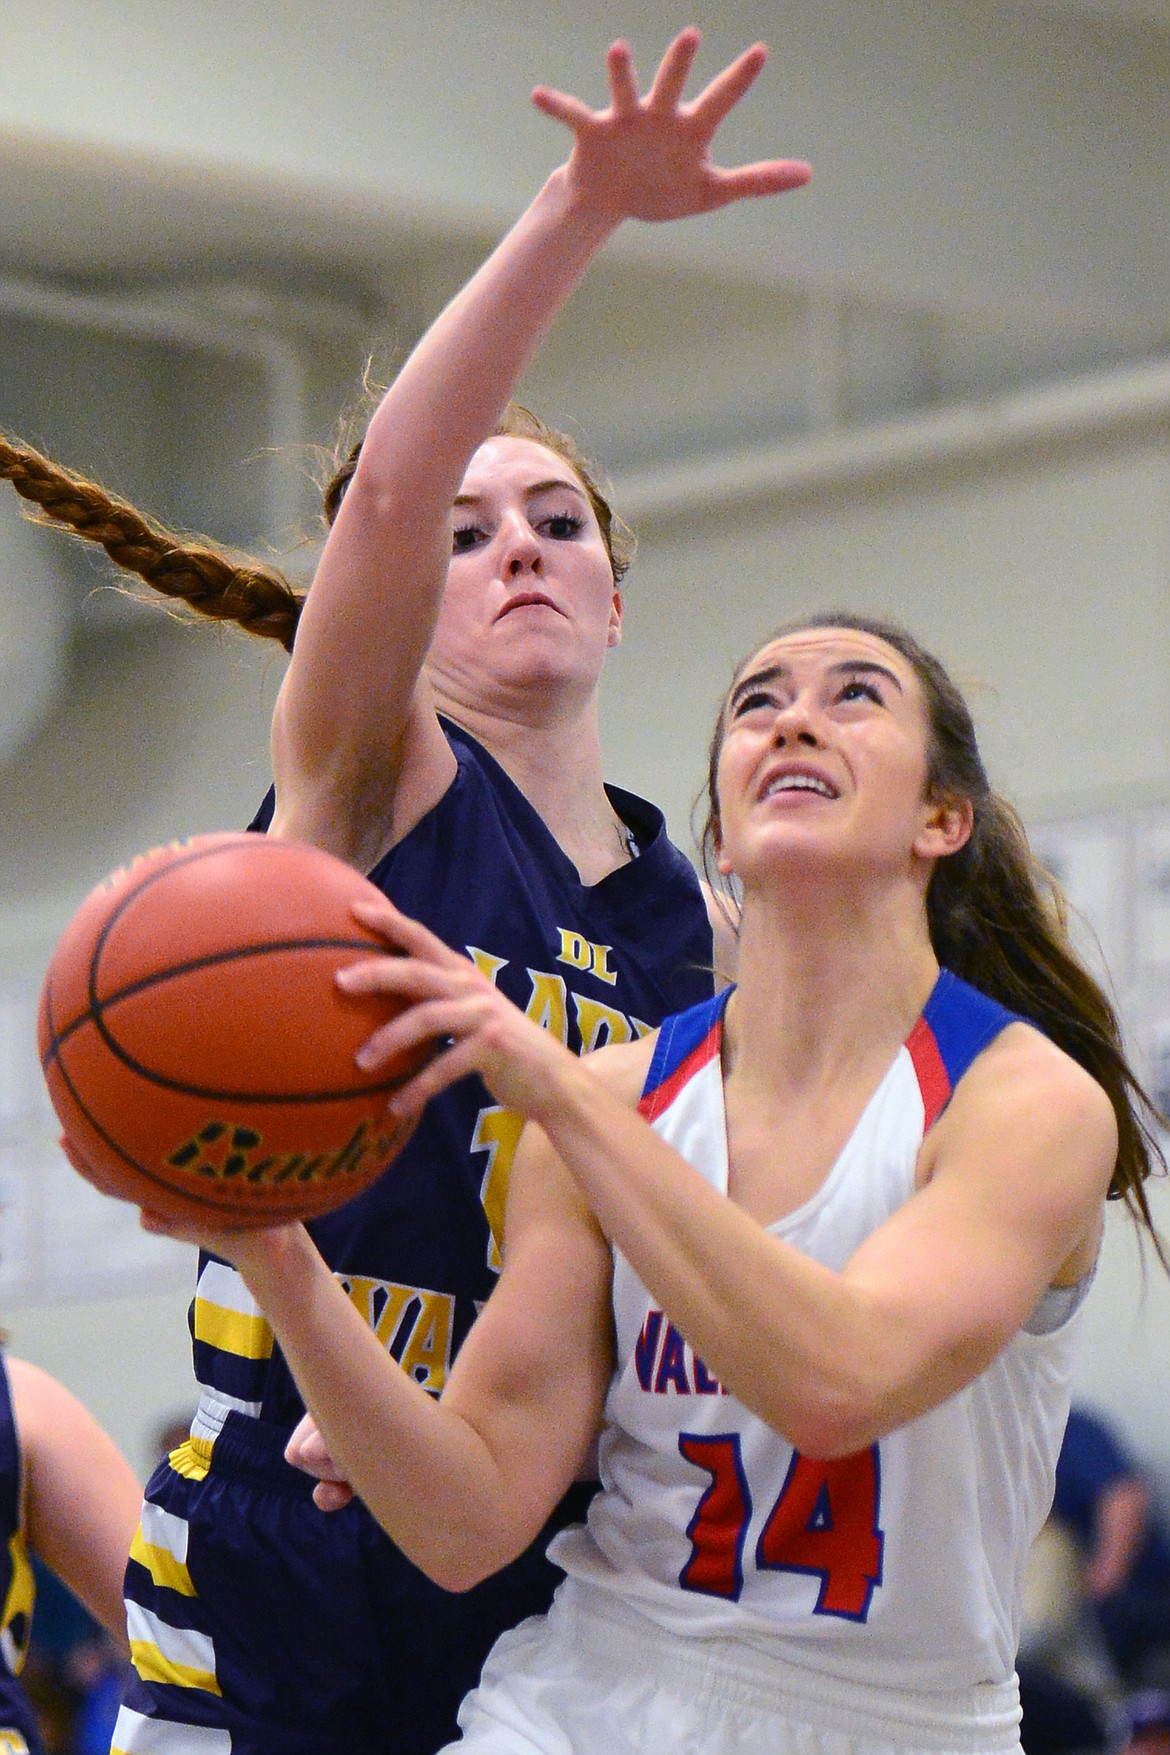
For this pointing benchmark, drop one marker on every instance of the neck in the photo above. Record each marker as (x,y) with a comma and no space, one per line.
(555,761)
(828,991)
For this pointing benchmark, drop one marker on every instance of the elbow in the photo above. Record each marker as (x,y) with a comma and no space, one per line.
(461,1557)
(828,1437)
(837,1419)
(461,1573)
(461,1570)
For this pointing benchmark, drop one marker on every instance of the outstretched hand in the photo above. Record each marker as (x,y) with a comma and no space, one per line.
(648,157)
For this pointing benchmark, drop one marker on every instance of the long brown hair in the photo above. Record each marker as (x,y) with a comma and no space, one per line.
(996,917)
(208,580)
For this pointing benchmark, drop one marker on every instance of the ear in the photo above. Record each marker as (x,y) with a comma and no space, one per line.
(722,862)
(615,620)
(947,827)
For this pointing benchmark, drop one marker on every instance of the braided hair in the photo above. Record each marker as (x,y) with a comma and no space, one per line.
(192,571)
(205,579)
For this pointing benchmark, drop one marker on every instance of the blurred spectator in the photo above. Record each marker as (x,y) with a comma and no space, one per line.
(1142,1724)
(1058,1716)
(1104,1499)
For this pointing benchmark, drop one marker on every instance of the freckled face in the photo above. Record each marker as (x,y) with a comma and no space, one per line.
(825,755)
(530,595)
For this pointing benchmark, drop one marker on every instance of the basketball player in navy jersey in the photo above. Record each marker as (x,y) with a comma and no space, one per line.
(824,1288)
(438,729)
(69,1497)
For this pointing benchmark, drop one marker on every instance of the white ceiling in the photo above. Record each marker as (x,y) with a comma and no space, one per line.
(988,208)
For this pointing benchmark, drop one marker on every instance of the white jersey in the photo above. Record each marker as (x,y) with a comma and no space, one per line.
(898,1566)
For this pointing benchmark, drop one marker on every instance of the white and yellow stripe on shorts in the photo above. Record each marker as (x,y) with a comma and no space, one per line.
(227,1316)
(135,1734)
(179,1656)
(160,1544)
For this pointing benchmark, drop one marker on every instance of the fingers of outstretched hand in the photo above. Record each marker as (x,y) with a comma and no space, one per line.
(404,933)
(623,80)
(560,106)
(717,99)
(673,70)
(648,157)
(767,177)
(455,1061)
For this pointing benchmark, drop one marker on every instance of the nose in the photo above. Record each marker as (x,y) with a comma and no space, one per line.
(520,550)
(797,723)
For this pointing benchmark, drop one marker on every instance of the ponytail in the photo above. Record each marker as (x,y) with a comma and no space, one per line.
(999,919)
(190,571)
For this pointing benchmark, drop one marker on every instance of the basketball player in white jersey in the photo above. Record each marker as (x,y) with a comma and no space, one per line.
(821,1294)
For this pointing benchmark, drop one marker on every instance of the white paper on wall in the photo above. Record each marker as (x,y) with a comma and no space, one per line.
(1090,859)
(1152,891)
(59,1238)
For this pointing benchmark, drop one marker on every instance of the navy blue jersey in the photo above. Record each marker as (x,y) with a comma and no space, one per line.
(18,1725)
(259,1625)
(419,1251)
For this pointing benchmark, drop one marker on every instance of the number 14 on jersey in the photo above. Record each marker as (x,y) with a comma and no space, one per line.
(825,1522)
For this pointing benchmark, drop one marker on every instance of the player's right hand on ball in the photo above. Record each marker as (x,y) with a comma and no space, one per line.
(307,1450)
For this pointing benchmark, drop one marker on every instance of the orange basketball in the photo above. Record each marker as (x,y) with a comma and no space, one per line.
(197,1050)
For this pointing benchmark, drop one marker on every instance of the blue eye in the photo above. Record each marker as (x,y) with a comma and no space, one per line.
(753,699)
(860,689)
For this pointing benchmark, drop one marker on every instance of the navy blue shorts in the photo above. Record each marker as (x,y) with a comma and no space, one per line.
(263,1626)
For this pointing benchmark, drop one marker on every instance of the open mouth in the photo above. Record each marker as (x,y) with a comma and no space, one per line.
(800,780)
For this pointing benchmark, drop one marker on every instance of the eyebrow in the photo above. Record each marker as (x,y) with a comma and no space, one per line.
(780,672)
(554,484)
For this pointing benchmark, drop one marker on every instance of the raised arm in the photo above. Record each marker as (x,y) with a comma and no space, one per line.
(355,744)
(81,1497)
(1012,1184)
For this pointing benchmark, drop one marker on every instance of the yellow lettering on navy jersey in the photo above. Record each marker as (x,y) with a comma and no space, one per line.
(486,963)
(379,1303)
(18,1604)
(575,950)
(579,953)
(497,1132)
(427,1354)
(599,1024)
(548,1005)
(412,1322)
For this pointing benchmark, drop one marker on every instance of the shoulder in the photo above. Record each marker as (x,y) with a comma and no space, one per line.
(1035,1135)
(1021,1069)
(358,802)
(38,1400)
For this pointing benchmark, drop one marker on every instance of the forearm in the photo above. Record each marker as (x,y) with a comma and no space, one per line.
(425,1473)
(1120,1525)
(81,1500)
(790,1338)
(369,618)
(450,392)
